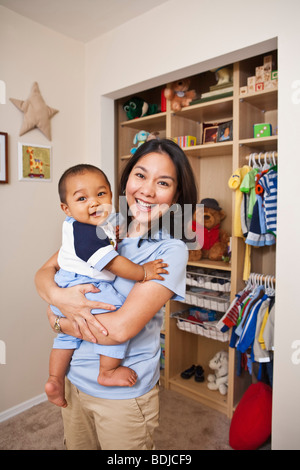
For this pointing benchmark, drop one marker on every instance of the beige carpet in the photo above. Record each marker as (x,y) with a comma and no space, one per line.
(184,425)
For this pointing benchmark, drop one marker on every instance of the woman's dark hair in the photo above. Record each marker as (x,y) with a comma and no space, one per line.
(76,170)
(186,185)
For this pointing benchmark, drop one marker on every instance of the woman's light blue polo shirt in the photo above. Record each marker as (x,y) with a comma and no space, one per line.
(143,352)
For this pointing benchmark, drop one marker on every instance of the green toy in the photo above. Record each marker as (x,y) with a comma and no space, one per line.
(262,130)
(137,107)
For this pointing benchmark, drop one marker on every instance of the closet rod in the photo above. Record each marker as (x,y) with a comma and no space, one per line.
(257,156)
(262,277)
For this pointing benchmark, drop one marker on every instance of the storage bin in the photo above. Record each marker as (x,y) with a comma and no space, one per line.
(207,329)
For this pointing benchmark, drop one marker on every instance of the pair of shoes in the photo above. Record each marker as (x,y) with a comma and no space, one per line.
(199,374)
(194,370)
(188,373)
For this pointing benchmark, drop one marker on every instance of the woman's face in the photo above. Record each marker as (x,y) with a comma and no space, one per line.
(151,187)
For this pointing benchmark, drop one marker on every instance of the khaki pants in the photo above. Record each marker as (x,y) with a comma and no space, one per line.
(96,423)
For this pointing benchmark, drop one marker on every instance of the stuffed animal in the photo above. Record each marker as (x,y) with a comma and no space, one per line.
(219,380)
(215,240)
(137,107)
(223,76)
(140,138)
(179,95)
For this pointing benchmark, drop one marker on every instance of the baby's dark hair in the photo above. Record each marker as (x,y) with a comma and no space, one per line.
(76,170)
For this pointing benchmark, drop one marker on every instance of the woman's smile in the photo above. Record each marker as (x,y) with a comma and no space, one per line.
(144,206)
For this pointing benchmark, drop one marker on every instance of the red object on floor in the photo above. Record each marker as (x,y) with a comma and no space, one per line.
(251,423)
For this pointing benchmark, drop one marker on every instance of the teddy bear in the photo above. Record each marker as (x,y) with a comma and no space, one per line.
(136,107)
(179,94)
(215,240)
(219,380)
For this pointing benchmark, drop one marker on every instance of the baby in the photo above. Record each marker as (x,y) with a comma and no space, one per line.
(88,255)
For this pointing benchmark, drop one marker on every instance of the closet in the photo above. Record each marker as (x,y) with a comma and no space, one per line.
(244,105)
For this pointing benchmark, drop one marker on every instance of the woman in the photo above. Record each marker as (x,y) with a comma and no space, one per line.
(155,179)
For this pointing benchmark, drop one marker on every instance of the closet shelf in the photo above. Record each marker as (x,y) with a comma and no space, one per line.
(209,150)
(265,100)
(264,144)
(155,122)
(207,263)
(210,111)
(197,390)
(203,150)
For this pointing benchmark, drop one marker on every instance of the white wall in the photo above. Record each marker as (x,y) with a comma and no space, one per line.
(149,51)
(29,211)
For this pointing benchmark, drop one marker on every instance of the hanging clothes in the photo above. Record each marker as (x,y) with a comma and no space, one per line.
(251,317)
(262,230)
(268,185)
(234,183)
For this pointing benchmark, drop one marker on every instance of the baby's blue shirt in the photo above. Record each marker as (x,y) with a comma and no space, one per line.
(143,352)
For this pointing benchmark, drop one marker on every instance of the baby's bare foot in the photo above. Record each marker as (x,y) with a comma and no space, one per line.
(55,391)
(120,377)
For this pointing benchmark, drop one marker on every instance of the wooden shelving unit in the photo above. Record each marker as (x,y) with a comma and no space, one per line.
(213,164)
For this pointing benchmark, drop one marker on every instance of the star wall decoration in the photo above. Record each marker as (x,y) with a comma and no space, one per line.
(36,112)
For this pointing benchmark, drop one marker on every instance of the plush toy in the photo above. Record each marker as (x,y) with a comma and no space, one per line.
(215,240)
(219,380)
(223,76)
(153,135)
(36,112)
(137,107)
(179,95)
(140,138)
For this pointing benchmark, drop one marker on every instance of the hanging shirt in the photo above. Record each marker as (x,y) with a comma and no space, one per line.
(269,184)
(234,183)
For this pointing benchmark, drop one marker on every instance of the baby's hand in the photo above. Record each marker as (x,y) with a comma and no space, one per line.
(153,269)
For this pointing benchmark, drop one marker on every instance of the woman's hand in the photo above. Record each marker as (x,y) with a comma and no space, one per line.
(69,327)
(73,304)
(71,301)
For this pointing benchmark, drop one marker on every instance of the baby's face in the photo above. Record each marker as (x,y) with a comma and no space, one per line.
(89,198)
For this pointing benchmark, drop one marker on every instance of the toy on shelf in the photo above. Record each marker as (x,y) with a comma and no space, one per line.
(137,107)
(139,139)
(264,79)
(185,140)
(179,94)
(262,130)
(215,240)
(219,380)
(223,87)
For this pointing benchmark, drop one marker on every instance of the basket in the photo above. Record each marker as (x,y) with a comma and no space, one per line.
(207,329)
(214,280)
(207,299)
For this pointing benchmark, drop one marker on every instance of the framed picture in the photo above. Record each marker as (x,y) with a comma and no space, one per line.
(3,158)
(224,132)
(34,162)
(210,134)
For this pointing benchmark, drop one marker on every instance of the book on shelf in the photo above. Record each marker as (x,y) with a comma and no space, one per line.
(217,92)
(211,98)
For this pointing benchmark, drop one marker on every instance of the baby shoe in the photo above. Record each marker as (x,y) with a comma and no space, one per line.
(188,373)
(199,374)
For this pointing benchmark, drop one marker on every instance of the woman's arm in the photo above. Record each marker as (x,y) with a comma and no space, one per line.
(71,301)
(127,322)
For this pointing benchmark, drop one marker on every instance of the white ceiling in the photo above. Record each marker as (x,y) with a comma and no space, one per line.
(83,20)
